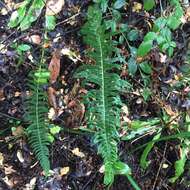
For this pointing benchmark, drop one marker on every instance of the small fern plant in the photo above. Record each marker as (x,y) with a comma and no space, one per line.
(36,109)
(103,100)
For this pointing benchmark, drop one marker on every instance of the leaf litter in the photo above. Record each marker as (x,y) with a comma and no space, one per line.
(74,159)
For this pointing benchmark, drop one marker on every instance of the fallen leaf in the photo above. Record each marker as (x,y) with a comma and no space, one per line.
(137,7)
(77,152)
(2,97)
(35,39)
(53,7)
(20,156)
(51,114)
(169,110)
(64,171)
(17,94)
(8,181)
(31,185)
(102,169)
(9,170)
(54,66)
(1,159)
(46,45)
(18,131)
(52,97)
(187,14)
(71,104)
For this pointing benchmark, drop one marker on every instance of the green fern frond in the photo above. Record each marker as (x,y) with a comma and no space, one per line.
(103,102)
(36,108)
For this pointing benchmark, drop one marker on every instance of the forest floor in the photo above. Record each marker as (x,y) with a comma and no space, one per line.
(74,160)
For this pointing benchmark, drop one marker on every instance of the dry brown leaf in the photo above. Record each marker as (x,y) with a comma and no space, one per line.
(169,110)
(35,39)
(52,97)
(8,181)
(54,66)
(187,14)
(53,7)
(2,97)
(9,170)
(1,159)
(19,131)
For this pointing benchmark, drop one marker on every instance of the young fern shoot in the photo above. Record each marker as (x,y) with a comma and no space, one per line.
(103,101)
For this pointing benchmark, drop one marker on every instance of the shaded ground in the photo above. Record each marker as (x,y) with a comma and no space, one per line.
(84,171)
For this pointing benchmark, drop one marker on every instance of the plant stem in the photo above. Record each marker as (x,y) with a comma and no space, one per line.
(133,183)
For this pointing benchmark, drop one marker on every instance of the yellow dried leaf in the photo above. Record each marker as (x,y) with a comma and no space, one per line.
(77,152)
(137,7)
(64,171)
(1,159)
(53,7)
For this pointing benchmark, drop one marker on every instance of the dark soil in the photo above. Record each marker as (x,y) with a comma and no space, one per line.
(84,172)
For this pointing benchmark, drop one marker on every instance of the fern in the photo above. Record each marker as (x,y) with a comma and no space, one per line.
(103,101)
(36,109)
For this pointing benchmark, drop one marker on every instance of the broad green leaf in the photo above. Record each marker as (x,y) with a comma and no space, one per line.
(124,27)
(170,51)
(17,17)
(138,132)
(132,65)
(25,24)
(122,168)
(50,22)
(50,138)
(55,129)
(143,160)
(144,48)
(145,67)
(119,4)
(146,94)
(116,15)
(133,35)
(173,22)
(149,4)
(160,40)
(166,33)
(150,36)
(109,174)
(104,5)
(23,47)
(179,166)
(159,24)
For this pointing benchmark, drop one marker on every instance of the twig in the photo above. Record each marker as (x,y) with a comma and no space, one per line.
(68,19)
(163,158)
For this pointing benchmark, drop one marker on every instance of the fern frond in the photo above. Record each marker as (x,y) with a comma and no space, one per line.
(36,108)
(103,102)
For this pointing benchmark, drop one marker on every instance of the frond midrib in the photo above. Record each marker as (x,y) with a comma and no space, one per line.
(103,94)
(37,116)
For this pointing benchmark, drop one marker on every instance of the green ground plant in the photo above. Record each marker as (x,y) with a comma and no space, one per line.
(28,12)
(103,103)
(162,32)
